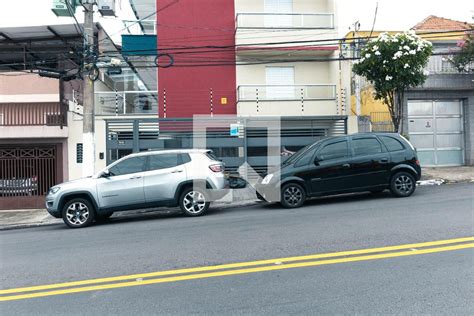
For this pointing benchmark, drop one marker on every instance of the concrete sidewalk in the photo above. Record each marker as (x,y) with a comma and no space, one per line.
(449,174)
(13,219)
(10,219)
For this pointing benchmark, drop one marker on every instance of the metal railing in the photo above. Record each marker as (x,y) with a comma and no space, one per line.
(286,93)
(440,64)
(31,114)
(126,102)
(381,122)
(285,20)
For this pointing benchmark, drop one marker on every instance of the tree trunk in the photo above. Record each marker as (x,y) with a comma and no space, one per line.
(400,95)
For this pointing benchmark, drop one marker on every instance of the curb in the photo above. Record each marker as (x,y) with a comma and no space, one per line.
(225,205)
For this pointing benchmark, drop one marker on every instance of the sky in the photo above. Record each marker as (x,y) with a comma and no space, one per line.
(392,14)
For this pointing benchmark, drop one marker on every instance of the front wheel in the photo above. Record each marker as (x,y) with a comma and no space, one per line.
(193,202)
(402,184)
(292,195)
(78,213)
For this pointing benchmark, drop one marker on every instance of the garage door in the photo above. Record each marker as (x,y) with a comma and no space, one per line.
(26,174)
(436,130)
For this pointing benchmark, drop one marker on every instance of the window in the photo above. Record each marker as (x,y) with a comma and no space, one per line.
(391,143)
(278,6)
(280,83)
(185,158)
(130,165)
(79,152)
(163,161)
(366,146)
(334,151)
(305,158)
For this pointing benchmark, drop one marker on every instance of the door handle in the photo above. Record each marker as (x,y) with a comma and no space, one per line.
(383,160)
(177,171)
(346,165)
(136,177)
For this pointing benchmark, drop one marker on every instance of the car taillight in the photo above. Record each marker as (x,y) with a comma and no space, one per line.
(217,168)
(417,162)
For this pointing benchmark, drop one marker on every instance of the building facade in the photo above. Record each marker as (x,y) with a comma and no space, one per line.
(438,114)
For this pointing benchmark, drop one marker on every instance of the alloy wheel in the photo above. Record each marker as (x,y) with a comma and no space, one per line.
(403,184)
(77,213)
(293,195)
(194,202)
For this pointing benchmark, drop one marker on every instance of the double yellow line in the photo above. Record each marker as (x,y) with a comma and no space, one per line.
(235,269)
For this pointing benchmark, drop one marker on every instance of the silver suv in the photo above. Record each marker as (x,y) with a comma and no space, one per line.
(148,179)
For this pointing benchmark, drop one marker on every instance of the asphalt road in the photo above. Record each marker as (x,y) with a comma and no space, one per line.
(437,282)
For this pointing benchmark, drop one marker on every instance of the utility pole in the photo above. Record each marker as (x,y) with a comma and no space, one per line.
(357,77)
(88,164)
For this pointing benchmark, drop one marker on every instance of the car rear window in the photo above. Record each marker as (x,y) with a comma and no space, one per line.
(391,143)
(366,146)
(211,155)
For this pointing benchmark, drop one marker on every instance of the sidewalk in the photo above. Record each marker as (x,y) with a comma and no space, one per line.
(10,219)
(449,174)
(13,219)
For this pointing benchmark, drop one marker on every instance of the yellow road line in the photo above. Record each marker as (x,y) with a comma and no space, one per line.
(236,272)
(234,265)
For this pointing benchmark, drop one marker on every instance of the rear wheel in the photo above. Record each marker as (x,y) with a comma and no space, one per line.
(402,184)
(292,195)
(193,202)
(78,213)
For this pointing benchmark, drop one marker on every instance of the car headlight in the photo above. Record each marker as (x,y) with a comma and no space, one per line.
(53,190)
(267,179)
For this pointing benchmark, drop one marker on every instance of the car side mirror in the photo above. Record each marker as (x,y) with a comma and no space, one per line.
(105,174)
(317,160)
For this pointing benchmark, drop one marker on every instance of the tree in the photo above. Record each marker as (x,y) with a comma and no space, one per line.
(464,58)
(393,63)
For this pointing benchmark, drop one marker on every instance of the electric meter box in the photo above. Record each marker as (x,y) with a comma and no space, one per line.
(60,7)
(106,7)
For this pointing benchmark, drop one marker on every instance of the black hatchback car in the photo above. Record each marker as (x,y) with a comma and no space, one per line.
(359,162)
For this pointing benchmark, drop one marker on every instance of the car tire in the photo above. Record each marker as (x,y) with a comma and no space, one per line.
(78,213)
(402,184)
(293,195)
(193,202)
(103,216)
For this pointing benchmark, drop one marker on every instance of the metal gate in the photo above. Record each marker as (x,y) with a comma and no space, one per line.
(436,130)
(250,146)
(26,174)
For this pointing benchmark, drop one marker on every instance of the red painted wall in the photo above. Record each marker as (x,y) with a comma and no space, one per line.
(191,23)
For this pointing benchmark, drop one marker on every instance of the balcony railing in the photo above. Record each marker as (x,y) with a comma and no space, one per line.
(32,114)
(286,93)
(126,102)
(285,21)
(441,65)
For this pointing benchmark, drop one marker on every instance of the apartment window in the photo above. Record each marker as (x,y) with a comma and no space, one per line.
(280,83)
(278,6)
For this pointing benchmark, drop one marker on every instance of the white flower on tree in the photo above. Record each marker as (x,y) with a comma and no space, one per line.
(404,57)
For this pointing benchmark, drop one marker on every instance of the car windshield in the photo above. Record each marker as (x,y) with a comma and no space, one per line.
(300,153)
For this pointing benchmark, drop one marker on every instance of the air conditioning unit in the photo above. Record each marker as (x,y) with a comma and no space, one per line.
(106,7)
(60,7)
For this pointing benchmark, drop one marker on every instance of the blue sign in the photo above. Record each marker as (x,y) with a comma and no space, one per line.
(139,45)
(234,129)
